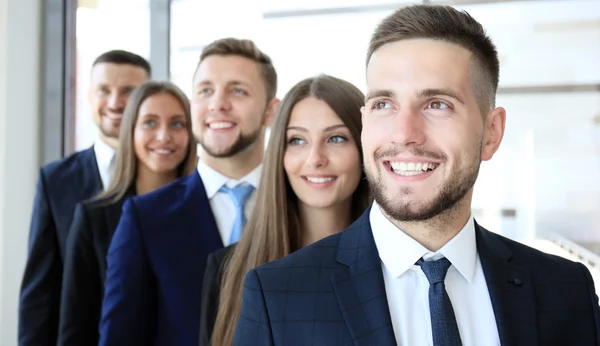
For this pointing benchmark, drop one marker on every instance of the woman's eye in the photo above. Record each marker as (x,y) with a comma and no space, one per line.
(337,139)
(295,141)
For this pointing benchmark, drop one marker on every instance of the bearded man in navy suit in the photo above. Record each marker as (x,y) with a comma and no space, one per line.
(416,268)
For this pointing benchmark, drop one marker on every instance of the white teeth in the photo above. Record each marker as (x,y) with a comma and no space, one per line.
(411,168)
(319,180)
(163,151)
(220,125)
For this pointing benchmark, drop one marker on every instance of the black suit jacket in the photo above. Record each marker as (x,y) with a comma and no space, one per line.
(211,291)
(61,185)
(332,293)
(94,224)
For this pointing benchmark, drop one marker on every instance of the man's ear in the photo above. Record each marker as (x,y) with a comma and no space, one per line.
(494,132)
(271,111)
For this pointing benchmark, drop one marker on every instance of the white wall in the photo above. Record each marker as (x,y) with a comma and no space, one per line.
(19,147)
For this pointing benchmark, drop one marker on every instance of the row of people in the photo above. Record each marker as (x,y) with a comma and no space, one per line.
(355,229)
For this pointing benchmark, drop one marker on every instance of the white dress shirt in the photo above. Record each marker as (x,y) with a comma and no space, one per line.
(407,287)
(220,202)
(105,160)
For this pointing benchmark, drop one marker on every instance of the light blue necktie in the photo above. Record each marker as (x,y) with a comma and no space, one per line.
(239,195)
(443,321)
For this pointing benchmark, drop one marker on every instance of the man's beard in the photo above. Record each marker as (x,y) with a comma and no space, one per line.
(109,130)
(243,142)
(452,190)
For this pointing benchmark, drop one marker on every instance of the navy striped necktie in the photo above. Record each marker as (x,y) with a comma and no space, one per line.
(443,322)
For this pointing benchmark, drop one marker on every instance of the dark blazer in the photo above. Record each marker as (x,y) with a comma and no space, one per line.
(156,263)
(211,292)
(332,293)
(61,185)
(94,224)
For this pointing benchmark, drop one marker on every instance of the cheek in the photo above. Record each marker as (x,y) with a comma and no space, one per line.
(350,165)
(182,140)
(198,109)
(140,138)
(292,162)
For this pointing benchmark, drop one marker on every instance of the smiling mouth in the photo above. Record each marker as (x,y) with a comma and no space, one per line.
(220,125)
(408,169)
(113,116)
(319,180)
(164,151)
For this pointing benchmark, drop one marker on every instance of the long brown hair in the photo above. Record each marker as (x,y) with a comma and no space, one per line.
(126,159)
(273,229)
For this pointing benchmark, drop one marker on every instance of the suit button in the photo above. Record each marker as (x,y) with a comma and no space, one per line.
(516,281)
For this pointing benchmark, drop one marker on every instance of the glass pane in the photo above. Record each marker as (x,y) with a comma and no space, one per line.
(104,25)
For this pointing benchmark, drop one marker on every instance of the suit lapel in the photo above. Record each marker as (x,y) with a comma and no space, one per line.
(113,212)
(192,189)
(360,291)
(511,291)
(89,176)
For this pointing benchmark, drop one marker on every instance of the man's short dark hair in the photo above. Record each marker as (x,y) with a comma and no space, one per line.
(444,23)
(123,57)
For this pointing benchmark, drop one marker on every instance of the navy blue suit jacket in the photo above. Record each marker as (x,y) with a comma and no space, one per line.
(156,264)
(61,185)
(333,293)
(93,226)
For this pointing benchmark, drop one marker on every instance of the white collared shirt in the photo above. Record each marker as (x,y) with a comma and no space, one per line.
(407,287)
(104,159)
(220,202)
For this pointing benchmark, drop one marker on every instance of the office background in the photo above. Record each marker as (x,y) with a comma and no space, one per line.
(544,183)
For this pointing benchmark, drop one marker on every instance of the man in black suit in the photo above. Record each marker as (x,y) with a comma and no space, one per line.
(416,269)
(64,183)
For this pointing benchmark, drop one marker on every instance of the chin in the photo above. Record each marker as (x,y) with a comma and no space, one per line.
(320,203)
(163,170)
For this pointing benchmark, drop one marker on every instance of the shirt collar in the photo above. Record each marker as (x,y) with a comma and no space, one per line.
(461,250)
(214,180)
(104,154)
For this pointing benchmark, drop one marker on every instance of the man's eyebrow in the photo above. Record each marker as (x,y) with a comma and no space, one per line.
(203,82)
(437,92)
(379,93)
(229,83)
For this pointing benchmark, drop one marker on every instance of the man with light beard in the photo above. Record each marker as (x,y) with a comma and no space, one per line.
(158,253)
(416,269)
(64,183)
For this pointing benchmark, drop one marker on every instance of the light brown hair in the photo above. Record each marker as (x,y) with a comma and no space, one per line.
(126,159)
(274,229)
(247,49)
(446,24)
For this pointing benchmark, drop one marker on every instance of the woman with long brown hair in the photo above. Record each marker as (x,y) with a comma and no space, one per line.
(312,186)
(156,146)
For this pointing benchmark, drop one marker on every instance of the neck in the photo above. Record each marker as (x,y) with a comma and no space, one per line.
(238,165)
(318,223)
(436,232)
(112,142)
(147,181)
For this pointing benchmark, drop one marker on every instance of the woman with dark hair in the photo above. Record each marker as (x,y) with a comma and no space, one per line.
(156,146)
(312,186)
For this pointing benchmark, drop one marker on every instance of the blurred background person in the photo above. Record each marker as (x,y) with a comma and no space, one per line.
(64,183)
(312,186)
(156,146)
